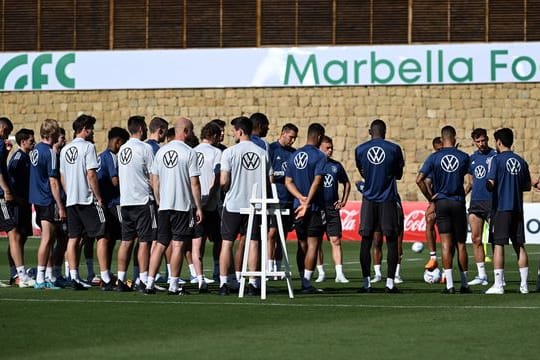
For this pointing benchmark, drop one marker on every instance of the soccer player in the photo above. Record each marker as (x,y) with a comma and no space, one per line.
(260,129)
(109,184)
(221,125)
(508,177)
(303,179)
(480,203)
(158,132)
(19,176)
(241,168)
(447,168)
(85,214)
(175,180)
(380,163)
(46,197)
(334,175)
(279,152)
(431,235)
(7,202)
(137,207)
(208,159)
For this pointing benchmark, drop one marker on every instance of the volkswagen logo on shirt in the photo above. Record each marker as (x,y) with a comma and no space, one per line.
(301,160)
(513,166)
(250,161)
(170,159)
(376,155)
(125,156)
(71,155)
(449,163)
(328,181)
(480,172)
(34,157)
(200,159)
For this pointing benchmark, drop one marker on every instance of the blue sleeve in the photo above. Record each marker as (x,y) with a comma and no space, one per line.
(52,165)
(342,175)
(427,167)
(111,166)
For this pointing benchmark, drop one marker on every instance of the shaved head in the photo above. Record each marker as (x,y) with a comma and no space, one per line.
(183,127)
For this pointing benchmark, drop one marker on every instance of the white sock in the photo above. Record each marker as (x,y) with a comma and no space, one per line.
(433,255)
(449,278)
(144,277)
(21,272)
(40,276)
(168,270)
(149,282)
(499,276)
(238,275)
(200,279)
(463,278)
(481,266)
(523,274)
(222,280)
(122,276)
(192,271)
(173,284)
(377,269)
(74,274)
(306,280)
(49,273)
(253,281)
(339,271)
(66,268)
(389,283)
(398,269)
(105,276)
(320,269)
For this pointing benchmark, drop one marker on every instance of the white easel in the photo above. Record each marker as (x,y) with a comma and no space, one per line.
(264,206)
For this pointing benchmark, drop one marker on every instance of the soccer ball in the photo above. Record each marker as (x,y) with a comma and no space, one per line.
(417,247)
(432,276)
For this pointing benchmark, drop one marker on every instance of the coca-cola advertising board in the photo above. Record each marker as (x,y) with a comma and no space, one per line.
(415,223)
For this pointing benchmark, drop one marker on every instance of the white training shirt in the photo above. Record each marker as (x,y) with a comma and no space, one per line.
(76,158)
(244,163)
(134,162)
(175,164)
(208,159)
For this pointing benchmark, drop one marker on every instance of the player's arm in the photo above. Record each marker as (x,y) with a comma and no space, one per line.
(468,183)
(196,191)
(6,188)
(490,184)
(225,180)
(55,190)
(291,187)
(345,195)
(155,188)
(92,178)
(423,186)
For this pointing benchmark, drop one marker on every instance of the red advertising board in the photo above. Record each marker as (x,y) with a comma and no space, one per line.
(415,223)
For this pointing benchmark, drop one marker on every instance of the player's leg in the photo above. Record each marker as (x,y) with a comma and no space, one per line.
(376,251)
(44,250)
(431,237)
(321,274)
(477,226)
(501,235)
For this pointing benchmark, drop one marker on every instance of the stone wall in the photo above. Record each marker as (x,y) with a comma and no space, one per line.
(414,114)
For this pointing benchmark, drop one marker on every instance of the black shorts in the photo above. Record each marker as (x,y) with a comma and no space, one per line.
(210,227)
(333,222)
(138,221)
(480,208)
(234,224)
(86,220)
(383,216)
(312,224)
(175,225)
(114,222)
(451,218)
(47,213)
(23,218)
(7,215)
(287,220)
(508,225)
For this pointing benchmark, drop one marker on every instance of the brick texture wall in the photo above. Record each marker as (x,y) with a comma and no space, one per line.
(414,115)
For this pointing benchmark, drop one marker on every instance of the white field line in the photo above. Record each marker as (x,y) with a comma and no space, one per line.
(196,303)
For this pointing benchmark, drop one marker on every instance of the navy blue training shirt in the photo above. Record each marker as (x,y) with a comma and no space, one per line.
(278,156)
(510,173)
(381,163)
(334,175)
(447,167)
(478,168)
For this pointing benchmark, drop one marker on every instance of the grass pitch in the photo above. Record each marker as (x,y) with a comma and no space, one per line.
(338,324)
